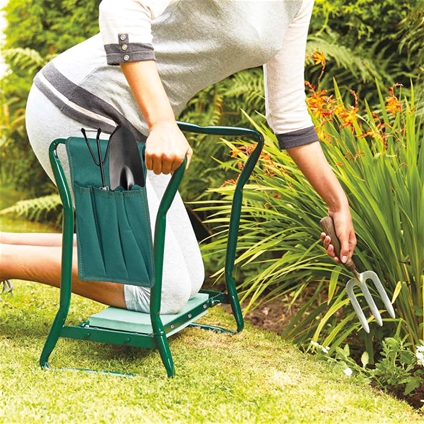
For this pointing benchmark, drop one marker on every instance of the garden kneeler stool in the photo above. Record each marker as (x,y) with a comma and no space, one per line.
(114,325)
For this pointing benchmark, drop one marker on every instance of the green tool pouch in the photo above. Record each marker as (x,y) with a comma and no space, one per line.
(114,235)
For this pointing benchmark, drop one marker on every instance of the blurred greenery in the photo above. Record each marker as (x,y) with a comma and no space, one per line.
(374,32)
(362,41)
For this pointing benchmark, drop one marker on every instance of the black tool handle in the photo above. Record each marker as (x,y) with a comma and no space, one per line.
(327,226)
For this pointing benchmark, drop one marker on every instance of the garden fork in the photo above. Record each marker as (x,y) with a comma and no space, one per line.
(360,280)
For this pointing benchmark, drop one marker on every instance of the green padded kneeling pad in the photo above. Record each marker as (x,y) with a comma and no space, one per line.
(139,322)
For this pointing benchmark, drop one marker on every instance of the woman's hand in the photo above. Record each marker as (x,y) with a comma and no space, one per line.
(311,161)
(345,233)
(166,148)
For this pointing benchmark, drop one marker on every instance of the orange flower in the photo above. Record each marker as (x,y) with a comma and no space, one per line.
(393,104)
(229,182)
(319,58)
(320,104)
(234,153)
(347,116)
(269,172)
(323,135)
(243,149)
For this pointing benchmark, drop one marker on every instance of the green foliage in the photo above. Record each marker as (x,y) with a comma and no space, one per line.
(218,104)
(19,165)
(36,32)
(345,59)
(377,156)
(358,20)
(344,31)
(399,370)
(46,27)
(375,32)
(411,32)
(50,26)
(38,209)
(25,59)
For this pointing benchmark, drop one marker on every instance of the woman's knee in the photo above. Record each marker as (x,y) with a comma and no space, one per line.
(174,298)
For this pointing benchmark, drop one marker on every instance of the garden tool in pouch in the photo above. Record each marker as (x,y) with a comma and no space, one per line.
(100,160)
(360,280)
(113,228)
(125,166)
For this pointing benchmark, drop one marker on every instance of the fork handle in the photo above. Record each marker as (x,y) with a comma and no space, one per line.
(327,225)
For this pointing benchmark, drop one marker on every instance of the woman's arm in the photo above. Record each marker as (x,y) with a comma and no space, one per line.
(126,31)
(166,145)
(288,116)
(311,161)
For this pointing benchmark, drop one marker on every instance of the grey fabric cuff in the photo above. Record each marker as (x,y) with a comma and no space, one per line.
(125,51)
(297,138)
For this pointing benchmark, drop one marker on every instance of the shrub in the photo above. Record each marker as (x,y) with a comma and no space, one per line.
(378,157)
(374,33)
(37,31)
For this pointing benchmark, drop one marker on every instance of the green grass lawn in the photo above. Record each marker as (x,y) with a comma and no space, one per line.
(252,377)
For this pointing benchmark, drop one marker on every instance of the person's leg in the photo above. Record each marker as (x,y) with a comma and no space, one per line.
(37,257)
(31,239)
(43,264)
(182,239)
(183,271)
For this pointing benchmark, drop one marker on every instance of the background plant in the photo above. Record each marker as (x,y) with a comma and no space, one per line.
(37,31)
(377,33)
(377,156)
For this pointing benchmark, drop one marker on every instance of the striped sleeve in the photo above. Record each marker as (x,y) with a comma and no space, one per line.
(125,26)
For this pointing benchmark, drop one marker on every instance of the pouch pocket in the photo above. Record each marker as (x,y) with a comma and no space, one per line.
(114,235)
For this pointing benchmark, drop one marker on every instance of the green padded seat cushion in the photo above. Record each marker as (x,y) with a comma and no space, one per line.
(139,322)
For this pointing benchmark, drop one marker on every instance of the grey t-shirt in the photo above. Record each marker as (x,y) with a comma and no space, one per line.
(195,43)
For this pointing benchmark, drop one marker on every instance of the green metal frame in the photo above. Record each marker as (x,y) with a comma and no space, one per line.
(159,338)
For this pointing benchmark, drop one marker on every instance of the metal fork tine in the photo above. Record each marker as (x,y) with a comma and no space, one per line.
(379,286)
(356,306)
(371,303)
(327,225)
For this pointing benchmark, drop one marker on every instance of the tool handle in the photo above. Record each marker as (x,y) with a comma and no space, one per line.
(327,226)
